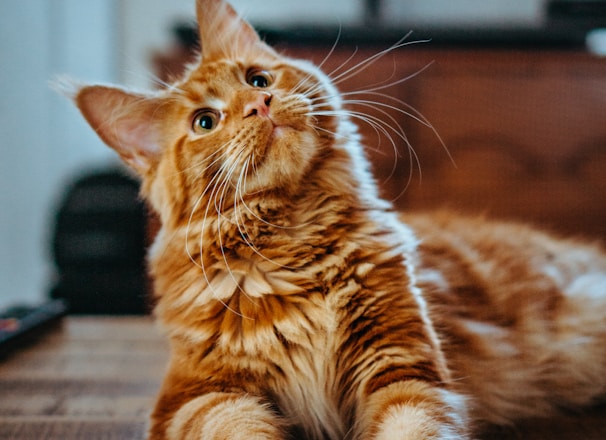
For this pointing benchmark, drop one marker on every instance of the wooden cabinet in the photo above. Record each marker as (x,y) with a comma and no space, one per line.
(514,134)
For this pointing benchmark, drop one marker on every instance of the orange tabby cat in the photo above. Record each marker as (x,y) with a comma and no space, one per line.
(298,304)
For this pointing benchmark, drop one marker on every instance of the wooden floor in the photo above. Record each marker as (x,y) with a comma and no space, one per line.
(96,379)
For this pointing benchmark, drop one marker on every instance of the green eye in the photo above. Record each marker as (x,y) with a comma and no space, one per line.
(205,121)
(259,78)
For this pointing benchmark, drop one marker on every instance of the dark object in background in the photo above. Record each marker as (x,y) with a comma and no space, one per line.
(21,325)
(99,245)
(577,9)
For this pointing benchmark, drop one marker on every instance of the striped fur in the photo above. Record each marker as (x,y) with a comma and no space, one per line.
(298,304)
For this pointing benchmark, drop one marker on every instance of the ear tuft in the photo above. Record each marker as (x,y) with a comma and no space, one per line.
(66,86)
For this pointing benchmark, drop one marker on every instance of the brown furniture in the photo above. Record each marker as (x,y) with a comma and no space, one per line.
(523,131)
(96,378)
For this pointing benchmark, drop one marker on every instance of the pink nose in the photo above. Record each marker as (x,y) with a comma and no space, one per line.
(258,105)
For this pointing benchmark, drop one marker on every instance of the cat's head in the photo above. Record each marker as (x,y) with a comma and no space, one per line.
(244,119)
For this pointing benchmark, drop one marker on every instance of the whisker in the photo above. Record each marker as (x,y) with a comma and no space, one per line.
(217,187)
(211,184)
(220,191)
(382,108)
(368,62)
(333,133)
(317,87)
(381,126)
(239,200)
(334,72)
(411,112)
(408,111)
(307,77)
(384,85)
(216,159)
(332,49)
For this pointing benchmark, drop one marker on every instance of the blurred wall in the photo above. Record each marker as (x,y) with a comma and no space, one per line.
(43,141)
(480,13)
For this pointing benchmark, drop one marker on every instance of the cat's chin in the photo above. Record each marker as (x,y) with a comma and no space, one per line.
(279,131)
(282,137)
(285,160)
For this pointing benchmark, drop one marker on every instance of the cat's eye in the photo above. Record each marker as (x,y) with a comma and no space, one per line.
(204,121)
(259,78)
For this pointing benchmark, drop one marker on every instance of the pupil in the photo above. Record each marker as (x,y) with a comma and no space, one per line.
(259,81)
(206,122)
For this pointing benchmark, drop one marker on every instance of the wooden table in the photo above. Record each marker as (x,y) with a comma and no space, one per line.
(96,378)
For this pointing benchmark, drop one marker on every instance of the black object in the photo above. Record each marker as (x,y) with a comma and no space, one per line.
(576,9)
(20,325)
(99,245)
(372,11)
(186,34)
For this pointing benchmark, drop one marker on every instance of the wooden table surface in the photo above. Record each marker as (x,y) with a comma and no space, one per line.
(96,379)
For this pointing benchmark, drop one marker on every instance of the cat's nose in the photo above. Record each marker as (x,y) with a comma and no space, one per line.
(258,105)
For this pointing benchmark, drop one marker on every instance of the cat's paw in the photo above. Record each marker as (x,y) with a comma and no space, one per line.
(404,422)
(223,416)
(414,410)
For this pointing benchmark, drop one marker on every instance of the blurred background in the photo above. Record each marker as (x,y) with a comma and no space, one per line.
(515,88)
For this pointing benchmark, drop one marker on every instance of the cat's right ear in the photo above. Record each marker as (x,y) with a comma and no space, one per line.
(128,122)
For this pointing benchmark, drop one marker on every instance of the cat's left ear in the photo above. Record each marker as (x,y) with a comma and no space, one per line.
(223,33)
(128,122)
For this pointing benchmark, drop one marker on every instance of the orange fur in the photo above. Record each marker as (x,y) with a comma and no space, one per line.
(522,314)
(298,304)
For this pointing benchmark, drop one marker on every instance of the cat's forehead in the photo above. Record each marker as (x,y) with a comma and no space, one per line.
(209,74)
(208,81)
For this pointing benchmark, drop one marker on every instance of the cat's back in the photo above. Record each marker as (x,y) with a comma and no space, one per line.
(500,252)
(509,302)
(511,268)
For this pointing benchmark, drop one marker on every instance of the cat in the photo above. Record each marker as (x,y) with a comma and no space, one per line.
(298,304)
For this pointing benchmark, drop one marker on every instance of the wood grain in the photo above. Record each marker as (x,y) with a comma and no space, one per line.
(93,378)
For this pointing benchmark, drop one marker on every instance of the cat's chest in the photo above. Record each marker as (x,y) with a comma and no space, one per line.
(277,330)
(271,315)
(286,341)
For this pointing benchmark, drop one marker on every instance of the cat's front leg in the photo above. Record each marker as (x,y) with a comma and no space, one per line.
(220,416)
(413,410)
